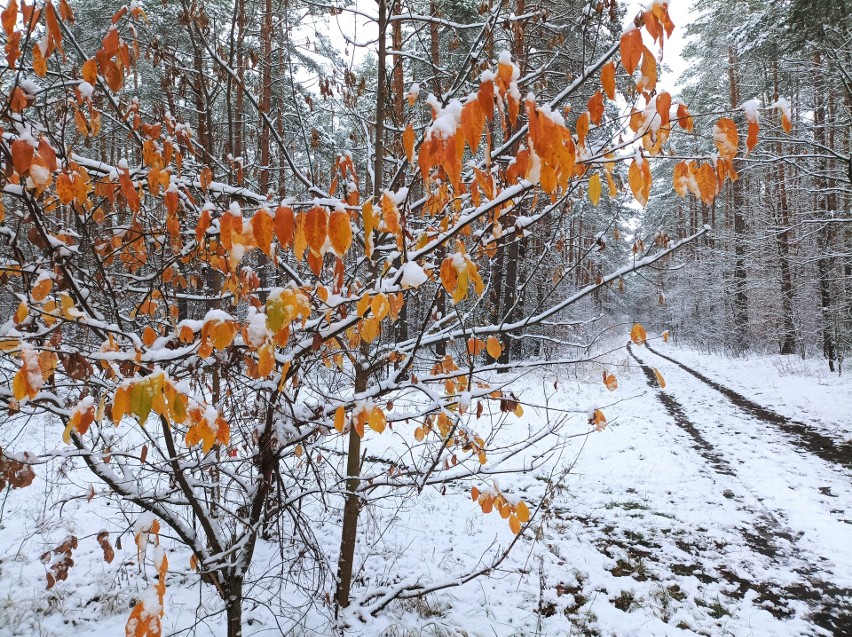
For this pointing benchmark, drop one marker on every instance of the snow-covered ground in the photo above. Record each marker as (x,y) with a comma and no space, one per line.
(686,515)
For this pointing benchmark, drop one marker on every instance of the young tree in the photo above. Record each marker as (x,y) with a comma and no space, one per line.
(217,355)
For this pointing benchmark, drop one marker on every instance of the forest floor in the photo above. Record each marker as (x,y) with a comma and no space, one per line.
(719,505)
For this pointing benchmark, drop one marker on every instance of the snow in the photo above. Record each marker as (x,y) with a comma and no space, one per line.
(28,86)
(38,175)
(552,115)
(641,531)
(29,358)
(783,104)
(217,315)
(86,89)
(143,523)
(399,196)
(256,331)
(724,144)
(447,119)
(413,275)
(751,108)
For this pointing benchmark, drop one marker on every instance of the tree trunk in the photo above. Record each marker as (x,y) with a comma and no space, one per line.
(741,343)
(823,209)
(266,97)
(381,105)
(352,505)
(782,240)
(234,608)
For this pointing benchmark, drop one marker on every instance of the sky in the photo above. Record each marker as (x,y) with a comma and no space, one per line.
(680,12)
(363,31)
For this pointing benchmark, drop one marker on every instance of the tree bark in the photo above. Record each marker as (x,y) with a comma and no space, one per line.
(351,507)
(234,608)
(823,209)
(782,241)
(741,343)
(266,97)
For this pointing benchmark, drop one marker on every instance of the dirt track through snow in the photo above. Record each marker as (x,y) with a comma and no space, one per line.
(820,445)
(771,534)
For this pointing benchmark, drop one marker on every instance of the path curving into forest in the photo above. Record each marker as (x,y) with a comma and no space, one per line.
(803,435)
(774,532)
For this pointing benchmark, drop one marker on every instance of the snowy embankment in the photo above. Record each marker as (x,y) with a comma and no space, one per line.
(685,515)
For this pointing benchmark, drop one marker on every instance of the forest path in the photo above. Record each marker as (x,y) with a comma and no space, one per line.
(803,434)
(788,477)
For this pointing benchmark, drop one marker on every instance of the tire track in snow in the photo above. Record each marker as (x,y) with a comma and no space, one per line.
(831,606)
(804,437)
(675,410)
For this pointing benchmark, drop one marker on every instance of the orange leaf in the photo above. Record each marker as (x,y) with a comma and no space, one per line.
(149,335)
(339,231)
(9,17)
(52,22)
(514,524)
(48,155)
(284,222)
(203,224)
(610,381)
(631,49)
(339,418)
(22,156)
(681,178)
(112,75)
(185,334)
(684,118)
(222,333)
(475,346)
(637,183)
(751,140)
(611,184)
(706,179)
(408,142)
(377,420)
(65,12)
(493,347)
(129,191)
(369,328)
(726,137)
(472,122)
(316,228)
(390,214)
(660,379)
(39,63)
(380,306)
(262,229)
(638,334)
(595,189)
(652,25)
(608,80)
(648,81)
(664,105)
(449,275)
(596,107)
(265,360)
(582,128)
(42,289)
(666,336)
(110,43)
